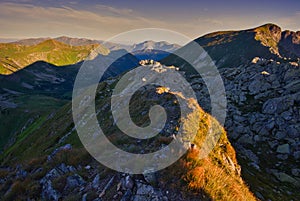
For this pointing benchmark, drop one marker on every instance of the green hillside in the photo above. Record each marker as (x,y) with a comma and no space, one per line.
(14,57)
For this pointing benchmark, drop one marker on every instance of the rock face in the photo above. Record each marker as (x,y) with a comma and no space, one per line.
(263,119)
(291,40)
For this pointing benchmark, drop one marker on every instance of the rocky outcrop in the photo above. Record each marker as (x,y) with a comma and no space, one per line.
(263,119)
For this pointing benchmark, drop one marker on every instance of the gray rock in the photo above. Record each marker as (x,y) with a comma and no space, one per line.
(62,148)
(296,155)
(279,121)
(283,149)
(151,178)
(280,135)
(128,182)
(257,138)
(287,115)
(127,195)
(96,181)
(292,132)
(241,129)
(259,196)
(296,172)
(143,189)
(239,119)
(21,174)
(269,125)
(273,143)
(270,106)
(248,153)
(245,139)
(285,104)
(282,156)
(97,199)
(283,177)
(62,168)
(74,181)
(48,192)
(84,197)
(52,174)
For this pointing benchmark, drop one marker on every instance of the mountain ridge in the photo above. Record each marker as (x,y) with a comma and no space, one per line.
(14,57)
(231,48)
(64,50)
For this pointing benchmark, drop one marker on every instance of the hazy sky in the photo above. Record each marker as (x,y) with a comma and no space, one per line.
(104,19)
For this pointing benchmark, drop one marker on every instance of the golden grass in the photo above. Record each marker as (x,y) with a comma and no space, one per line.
(215,177)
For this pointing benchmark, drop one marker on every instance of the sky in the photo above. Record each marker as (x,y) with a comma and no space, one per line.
(105,19)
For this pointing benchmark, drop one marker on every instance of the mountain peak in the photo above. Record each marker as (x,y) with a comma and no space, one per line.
(269,26)
(51,42)
(268,34)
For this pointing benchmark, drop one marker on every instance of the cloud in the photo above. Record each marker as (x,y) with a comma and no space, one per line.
(25,20)
(291,22)
(112,10)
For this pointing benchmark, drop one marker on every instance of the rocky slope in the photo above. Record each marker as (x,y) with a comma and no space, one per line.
(263,104)
(48,162)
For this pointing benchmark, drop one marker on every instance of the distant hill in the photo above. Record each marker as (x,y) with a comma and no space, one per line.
(153,50)
(152,45)
(62,39)
(30,41)
(14,57)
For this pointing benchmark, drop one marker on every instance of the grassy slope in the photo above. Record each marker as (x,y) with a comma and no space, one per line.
(31,108)
(14,57)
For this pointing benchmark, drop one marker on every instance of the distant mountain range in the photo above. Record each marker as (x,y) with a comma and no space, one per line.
(66,51)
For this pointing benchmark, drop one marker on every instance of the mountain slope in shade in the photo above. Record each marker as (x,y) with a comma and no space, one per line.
(290,41)
(231,48)
(14,57)
(41,88)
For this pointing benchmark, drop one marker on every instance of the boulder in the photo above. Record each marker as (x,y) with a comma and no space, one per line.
(96,181)
(74,181)
(283,149)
